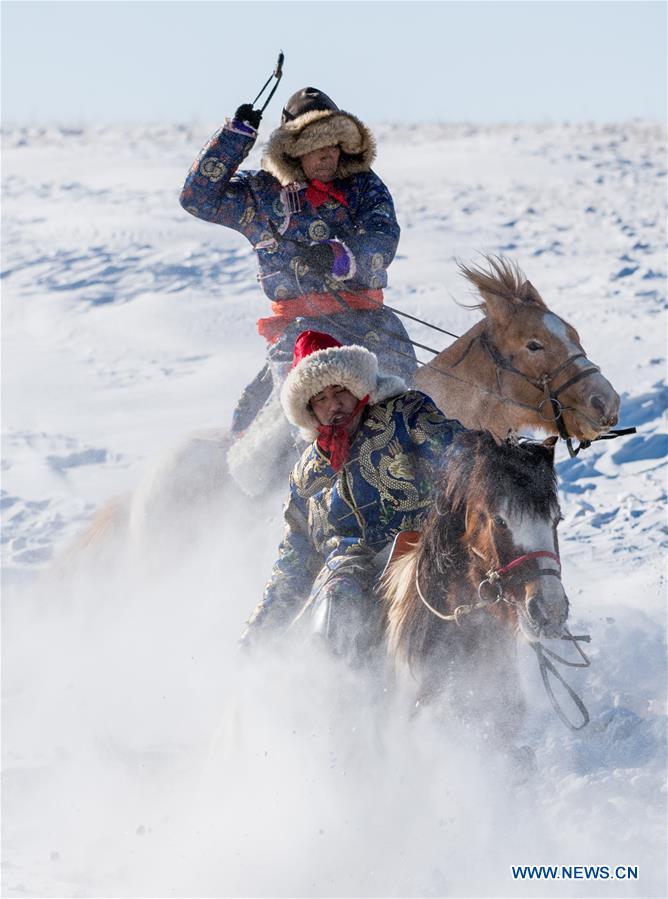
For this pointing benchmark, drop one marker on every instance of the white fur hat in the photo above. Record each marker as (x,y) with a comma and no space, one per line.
(320,361)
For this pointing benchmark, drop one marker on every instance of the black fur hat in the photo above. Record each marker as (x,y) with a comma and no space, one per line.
(308,99)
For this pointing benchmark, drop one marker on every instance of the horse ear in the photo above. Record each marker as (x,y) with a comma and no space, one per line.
(496,308)
(529,294)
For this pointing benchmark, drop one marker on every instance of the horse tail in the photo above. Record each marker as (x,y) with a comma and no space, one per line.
(107,526)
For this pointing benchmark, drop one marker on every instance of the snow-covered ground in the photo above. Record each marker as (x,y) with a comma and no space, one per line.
(141,756)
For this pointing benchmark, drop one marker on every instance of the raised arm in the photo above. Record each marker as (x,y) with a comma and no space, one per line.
(213,190)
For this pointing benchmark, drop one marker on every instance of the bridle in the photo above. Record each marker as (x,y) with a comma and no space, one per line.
(494,577)
(497,578)
(544,385)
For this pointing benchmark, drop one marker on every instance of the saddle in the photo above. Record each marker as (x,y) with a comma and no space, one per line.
(404,541)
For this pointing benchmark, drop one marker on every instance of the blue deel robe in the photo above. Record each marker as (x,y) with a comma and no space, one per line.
(342,520)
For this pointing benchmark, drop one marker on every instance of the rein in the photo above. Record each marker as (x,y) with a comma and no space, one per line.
(493,577)
(543,384)
(543,654)
(540,384)
(546,667)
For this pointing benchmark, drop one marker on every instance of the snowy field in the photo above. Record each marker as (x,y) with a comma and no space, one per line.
(141,755)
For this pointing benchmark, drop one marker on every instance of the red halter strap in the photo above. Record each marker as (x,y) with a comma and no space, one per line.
(520,560)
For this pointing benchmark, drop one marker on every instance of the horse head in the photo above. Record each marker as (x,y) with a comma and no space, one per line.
(538,356)
(491,536)
(485,565)
(511,519)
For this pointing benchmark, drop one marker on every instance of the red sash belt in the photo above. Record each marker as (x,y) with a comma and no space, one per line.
(286,311)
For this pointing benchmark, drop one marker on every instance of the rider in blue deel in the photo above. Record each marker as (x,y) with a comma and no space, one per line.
(322,224)
(367,474)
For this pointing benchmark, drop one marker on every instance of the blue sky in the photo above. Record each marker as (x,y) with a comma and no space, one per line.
(88,61)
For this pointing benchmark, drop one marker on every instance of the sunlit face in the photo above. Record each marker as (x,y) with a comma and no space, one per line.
(333,405)
(321,164)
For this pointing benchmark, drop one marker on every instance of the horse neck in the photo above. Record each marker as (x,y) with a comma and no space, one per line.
(414,632)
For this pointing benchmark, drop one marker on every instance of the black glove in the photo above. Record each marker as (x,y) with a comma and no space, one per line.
(319,257)
(246,113)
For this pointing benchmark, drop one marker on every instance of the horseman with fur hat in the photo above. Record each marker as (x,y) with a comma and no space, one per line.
(367,474)
(322,224)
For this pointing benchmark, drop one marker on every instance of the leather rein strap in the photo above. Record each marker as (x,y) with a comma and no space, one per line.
(527,557)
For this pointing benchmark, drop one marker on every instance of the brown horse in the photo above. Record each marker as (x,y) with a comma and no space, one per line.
(486,564)
(521,367)
(499,376)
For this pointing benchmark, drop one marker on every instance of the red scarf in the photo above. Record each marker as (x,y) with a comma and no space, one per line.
(335,439)
(318,192)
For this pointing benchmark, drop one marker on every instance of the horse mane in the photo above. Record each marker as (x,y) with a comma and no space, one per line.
(479,473)
(504,279)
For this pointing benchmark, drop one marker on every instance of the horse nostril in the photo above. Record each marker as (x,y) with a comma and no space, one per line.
(599,405)
(606,411)
(534,610)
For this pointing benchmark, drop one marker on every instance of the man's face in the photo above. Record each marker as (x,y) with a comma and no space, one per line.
(333,405)
(321,164)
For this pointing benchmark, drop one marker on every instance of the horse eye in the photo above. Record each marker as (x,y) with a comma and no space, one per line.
(499,521)
(534,346)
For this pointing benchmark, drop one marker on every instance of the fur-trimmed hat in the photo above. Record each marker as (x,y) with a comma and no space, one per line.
(311,120)
(320,361)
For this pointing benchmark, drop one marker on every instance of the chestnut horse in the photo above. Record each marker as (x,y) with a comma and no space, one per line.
(522,367)
(485,565)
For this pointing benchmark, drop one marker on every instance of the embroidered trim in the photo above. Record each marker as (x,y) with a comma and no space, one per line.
(292,203)
(269,244)
(240,128)
(339,256)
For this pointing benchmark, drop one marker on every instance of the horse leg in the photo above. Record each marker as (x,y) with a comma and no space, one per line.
(474,677)
(253,398)
(510,715)
(498,685)
(181,497)
(100,541)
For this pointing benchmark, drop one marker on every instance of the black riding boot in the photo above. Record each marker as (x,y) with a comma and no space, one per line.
(347,617)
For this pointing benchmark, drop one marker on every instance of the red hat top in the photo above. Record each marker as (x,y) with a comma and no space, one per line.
(310,342)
